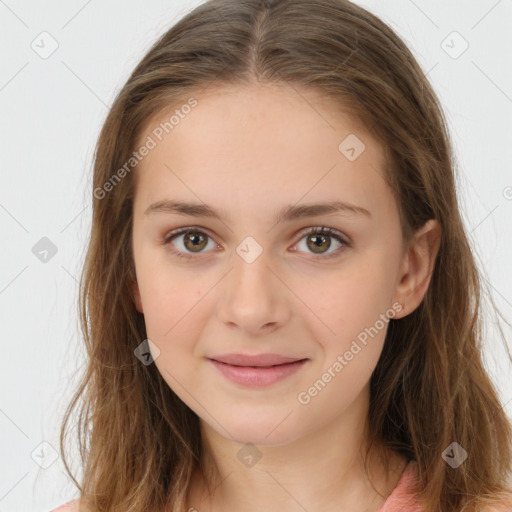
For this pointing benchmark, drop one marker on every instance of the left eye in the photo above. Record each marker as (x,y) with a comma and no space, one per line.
(321,240)
(195,240)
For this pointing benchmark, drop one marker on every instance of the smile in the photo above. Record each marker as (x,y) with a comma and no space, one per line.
(257,376)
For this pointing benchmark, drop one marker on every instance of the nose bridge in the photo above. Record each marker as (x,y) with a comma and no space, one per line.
(252,295)
(251,268)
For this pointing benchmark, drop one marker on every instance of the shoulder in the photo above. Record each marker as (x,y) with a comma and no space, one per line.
(404,495)
(506,506)
(70,506)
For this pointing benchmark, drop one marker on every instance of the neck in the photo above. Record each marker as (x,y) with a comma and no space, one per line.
(324,470)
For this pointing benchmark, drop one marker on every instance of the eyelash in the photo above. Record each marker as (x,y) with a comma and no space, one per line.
(318,230)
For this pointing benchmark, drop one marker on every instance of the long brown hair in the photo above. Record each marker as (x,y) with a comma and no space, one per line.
(139,443)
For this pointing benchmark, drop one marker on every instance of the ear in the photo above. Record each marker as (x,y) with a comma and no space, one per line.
(417,267)
(136,296)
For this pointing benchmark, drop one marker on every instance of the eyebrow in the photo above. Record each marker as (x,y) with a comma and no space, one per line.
(286,214)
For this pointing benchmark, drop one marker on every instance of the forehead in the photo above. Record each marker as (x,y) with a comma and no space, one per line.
(260,142)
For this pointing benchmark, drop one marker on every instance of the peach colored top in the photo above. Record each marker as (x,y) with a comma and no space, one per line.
(403,498)
(70,506)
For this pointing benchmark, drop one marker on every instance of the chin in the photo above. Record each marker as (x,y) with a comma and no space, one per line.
(260,431)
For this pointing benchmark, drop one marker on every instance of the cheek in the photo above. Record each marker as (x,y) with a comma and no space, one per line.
(356,309)
(171,301)
(167,292)
(354,306)
(171,311)
(351,299)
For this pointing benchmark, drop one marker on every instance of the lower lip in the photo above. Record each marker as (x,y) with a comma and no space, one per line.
(257,377)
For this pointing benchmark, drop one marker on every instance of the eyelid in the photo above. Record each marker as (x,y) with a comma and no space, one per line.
(330,232)
(180,231)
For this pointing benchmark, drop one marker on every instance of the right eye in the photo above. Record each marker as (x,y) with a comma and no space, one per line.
(191,238)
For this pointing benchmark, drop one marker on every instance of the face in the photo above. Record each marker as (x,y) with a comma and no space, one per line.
(251,283)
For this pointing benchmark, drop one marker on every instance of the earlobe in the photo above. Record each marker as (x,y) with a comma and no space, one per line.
(418,266)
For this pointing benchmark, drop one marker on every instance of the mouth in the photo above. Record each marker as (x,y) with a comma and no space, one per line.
(257,360)
(258,375)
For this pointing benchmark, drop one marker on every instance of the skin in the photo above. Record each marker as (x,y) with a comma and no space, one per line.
(248,151)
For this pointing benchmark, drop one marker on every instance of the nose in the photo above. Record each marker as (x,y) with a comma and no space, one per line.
(253,297)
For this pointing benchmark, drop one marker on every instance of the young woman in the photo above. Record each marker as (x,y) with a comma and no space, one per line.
(280,306)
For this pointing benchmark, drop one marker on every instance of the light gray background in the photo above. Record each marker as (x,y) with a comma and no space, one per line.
(51,111)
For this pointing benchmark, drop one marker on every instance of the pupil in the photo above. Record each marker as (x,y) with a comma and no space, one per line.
(195,239)
(318,240)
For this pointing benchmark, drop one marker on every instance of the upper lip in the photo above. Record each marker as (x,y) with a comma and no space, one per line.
(254,360)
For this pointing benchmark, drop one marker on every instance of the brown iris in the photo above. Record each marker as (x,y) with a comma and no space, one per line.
(317,241)
(198,240)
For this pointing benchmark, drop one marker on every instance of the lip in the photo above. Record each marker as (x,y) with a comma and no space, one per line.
(260,373)
(254,360)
